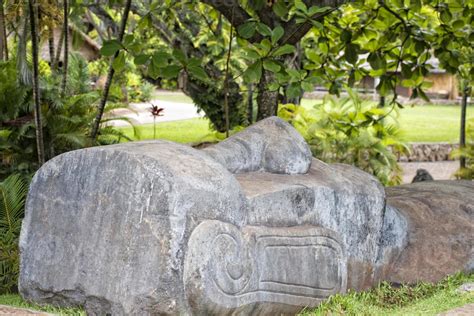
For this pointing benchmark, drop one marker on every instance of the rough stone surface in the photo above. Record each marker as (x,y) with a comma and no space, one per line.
(440,220)
(339,197)
(466,288)
(272,145)
(428,152)
(261,270)
(251,226)
(107,227)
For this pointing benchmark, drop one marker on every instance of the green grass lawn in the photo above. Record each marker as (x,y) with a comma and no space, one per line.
(194,130)
(420,123)
(422,299)
(17,301)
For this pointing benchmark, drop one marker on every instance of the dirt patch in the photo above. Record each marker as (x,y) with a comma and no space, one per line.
(466,310)
(14,311)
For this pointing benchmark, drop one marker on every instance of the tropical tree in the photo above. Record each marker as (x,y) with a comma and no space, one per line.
(117,62)
(65,31)
(34,52)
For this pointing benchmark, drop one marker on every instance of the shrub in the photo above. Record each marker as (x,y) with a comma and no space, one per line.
(12,202)
(350,131)
(468,153)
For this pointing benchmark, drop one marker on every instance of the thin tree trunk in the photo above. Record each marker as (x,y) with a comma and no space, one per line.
(267,101)
(226,81)
(66,46)
(250,103)
(51,45)
(37,112)
(3,37)
(462,138)
(110,74)
(59,49)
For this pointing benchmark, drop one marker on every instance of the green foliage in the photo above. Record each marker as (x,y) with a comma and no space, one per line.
(385,299)
(350,131)
(66,121)
(12,203)
(468,153)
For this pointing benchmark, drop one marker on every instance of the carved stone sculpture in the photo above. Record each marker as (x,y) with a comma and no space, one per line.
(250,226)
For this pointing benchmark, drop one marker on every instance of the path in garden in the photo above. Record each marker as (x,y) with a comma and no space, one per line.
(466,310)
(173,111)
(14,311)
(439,170)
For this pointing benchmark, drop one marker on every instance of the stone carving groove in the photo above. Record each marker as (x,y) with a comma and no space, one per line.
(298,266)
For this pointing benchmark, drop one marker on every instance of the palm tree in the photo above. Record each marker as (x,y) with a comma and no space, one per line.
(66,46)
(110,74)
(36,98)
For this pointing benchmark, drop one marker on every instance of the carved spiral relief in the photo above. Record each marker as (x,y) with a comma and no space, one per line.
(228,267)
(232,266)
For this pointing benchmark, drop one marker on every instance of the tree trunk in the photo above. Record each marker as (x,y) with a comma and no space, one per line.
(58,51)
(66,46)
(3,37)
(250,103)
(267,101)
(37,112)
(51,45)
(462,137)
(110,74)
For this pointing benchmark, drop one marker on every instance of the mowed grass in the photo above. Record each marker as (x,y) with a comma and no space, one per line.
(196,130)
(421,299)
(15,300)
(419,123)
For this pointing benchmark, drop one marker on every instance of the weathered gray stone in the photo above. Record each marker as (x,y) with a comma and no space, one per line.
(152,228)
(107,227)
(439,218)
(272,145)
(261,269)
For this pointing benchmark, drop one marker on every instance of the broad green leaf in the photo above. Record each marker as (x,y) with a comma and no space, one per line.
(280,8)
(198,72)
(273,86)
(346,36)
(307,86)
(293,90)
(271,65)
(141,59)
(350,53)
(119,62)
(171,71)
(247,30)
(316,9)
(264,29)
(180,56)
(284,50)
(160,59)
(253,72)
(110,47)
(299,4)
(277,33)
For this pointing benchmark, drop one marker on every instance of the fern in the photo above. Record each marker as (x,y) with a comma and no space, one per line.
(12,203)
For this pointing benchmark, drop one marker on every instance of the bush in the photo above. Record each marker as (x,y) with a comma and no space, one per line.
(12,203)
(350,131)
(468,153)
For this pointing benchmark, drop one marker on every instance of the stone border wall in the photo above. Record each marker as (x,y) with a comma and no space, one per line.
(428,152)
